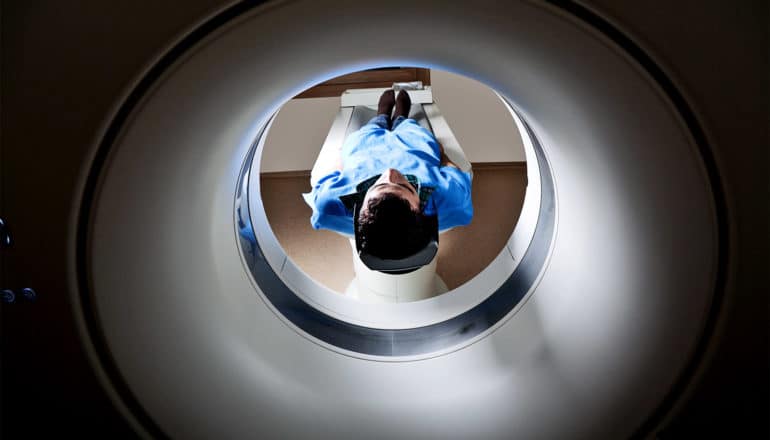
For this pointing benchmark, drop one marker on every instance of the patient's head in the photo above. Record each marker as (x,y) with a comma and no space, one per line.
(390,224)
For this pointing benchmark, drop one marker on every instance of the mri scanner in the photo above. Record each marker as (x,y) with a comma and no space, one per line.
(594,322)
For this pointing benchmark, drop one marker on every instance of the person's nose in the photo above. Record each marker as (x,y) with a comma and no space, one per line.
(392,175)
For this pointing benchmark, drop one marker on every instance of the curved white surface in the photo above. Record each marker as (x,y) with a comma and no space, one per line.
(617,310)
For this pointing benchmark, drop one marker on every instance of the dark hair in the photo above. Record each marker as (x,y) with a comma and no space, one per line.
(389,229)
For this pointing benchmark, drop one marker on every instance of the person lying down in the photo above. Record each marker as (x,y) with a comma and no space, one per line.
(394,177)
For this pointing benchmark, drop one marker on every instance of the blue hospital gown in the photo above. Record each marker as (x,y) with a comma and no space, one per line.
(410,149)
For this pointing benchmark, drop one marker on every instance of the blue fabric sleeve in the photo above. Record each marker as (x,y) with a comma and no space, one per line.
(453,202)
(328,210)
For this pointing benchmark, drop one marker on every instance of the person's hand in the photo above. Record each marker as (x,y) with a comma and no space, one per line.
(445,161)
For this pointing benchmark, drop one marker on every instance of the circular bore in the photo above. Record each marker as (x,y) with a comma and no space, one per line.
(405,329)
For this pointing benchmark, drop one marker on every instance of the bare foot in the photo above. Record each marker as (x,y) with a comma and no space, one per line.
(387,101)
(403,105)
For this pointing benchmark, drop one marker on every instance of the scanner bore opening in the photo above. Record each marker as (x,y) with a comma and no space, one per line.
(400,329)
(489,139)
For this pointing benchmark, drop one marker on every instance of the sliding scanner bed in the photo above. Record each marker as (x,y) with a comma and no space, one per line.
(389,284)
(358,106)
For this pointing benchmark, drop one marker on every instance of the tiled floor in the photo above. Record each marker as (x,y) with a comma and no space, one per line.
(498,193)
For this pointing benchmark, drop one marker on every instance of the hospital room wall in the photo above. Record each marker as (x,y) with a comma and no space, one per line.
(480,122)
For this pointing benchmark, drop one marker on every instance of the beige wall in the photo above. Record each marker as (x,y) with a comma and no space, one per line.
(480,122)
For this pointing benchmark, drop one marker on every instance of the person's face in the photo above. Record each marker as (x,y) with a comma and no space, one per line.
(393,182)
